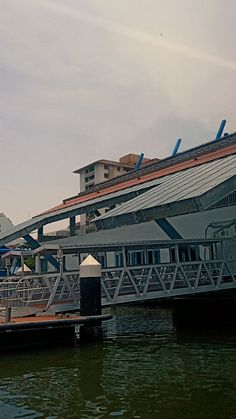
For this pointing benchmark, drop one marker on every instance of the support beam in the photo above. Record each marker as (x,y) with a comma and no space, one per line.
(72,226)
(34,245)
(220,130)
(167,227)
(173,234)
(176,147)
(139,162)
(40,234)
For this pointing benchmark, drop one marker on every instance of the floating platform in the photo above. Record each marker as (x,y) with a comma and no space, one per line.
(29,328)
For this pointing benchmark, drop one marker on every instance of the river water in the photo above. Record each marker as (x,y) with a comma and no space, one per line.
(144,368)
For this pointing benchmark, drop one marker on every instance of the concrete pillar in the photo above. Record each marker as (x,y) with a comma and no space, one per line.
(60,260)
(90,297)
(37,264)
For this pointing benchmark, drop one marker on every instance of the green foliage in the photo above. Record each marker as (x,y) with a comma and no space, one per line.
(30,262)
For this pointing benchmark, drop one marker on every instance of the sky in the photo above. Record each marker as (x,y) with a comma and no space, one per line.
(82,80)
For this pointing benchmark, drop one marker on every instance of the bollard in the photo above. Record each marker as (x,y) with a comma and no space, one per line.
(90,297)
(8,315)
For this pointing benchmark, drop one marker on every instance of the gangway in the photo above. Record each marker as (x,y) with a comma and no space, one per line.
(204,269)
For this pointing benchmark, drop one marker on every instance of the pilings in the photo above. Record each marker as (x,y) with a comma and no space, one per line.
(90,297)
(8,315)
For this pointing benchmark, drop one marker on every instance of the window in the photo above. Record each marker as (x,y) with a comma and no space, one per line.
(87,187)
(106,166)
(136,258)
(118,169)
(106,175)
(89,169)
(89,178)
(119,260)
(153,256)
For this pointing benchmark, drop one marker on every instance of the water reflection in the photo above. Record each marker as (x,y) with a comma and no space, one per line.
(143,369)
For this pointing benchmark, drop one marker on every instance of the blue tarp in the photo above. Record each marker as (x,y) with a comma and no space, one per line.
(4,250)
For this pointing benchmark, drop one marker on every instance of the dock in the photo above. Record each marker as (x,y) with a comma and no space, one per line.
(36,329)
(22,326)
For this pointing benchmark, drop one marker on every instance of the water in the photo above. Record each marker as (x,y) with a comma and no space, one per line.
(142,369)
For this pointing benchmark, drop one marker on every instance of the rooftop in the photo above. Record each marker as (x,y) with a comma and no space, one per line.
(128,161)
(103,161)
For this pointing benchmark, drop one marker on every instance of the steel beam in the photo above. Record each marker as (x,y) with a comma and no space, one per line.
(34,244)
(72,226)
(168,228)
(40,234)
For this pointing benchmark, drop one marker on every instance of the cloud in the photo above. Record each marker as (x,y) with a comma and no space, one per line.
(76,86)
(139,35)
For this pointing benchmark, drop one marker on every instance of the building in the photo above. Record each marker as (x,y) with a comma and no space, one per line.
(101,171)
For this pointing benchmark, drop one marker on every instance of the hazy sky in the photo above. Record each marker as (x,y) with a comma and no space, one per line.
(87,79)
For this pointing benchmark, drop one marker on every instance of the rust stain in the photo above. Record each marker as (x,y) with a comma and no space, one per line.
(40,319)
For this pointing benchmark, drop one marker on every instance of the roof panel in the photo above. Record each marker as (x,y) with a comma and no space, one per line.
(180,186)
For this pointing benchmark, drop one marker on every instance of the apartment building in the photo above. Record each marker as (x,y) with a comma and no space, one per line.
(102,170)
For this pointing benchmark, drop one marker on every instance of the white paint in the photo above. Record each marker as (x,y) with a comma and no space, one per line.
(90,268)
(26,270)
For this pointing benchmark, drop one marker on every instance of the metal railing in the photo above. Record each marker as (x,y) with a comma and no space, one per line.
(124,284)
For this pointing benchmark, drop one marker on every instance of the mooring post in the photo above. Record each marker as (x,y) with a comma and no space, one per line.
(8,315)
(90,297)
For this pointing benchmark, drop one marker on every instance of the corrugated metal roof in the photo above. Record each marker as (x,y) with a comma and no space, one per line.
(180,186)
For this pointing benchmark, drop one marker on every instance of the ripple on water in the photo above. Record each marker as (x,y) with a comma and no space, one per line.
(143,369)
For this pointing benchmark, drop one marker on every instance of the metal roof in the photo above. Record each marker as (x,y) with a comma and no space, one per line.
(179,188)
(90,246)
(34,223)
(145,231)
(181,157)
